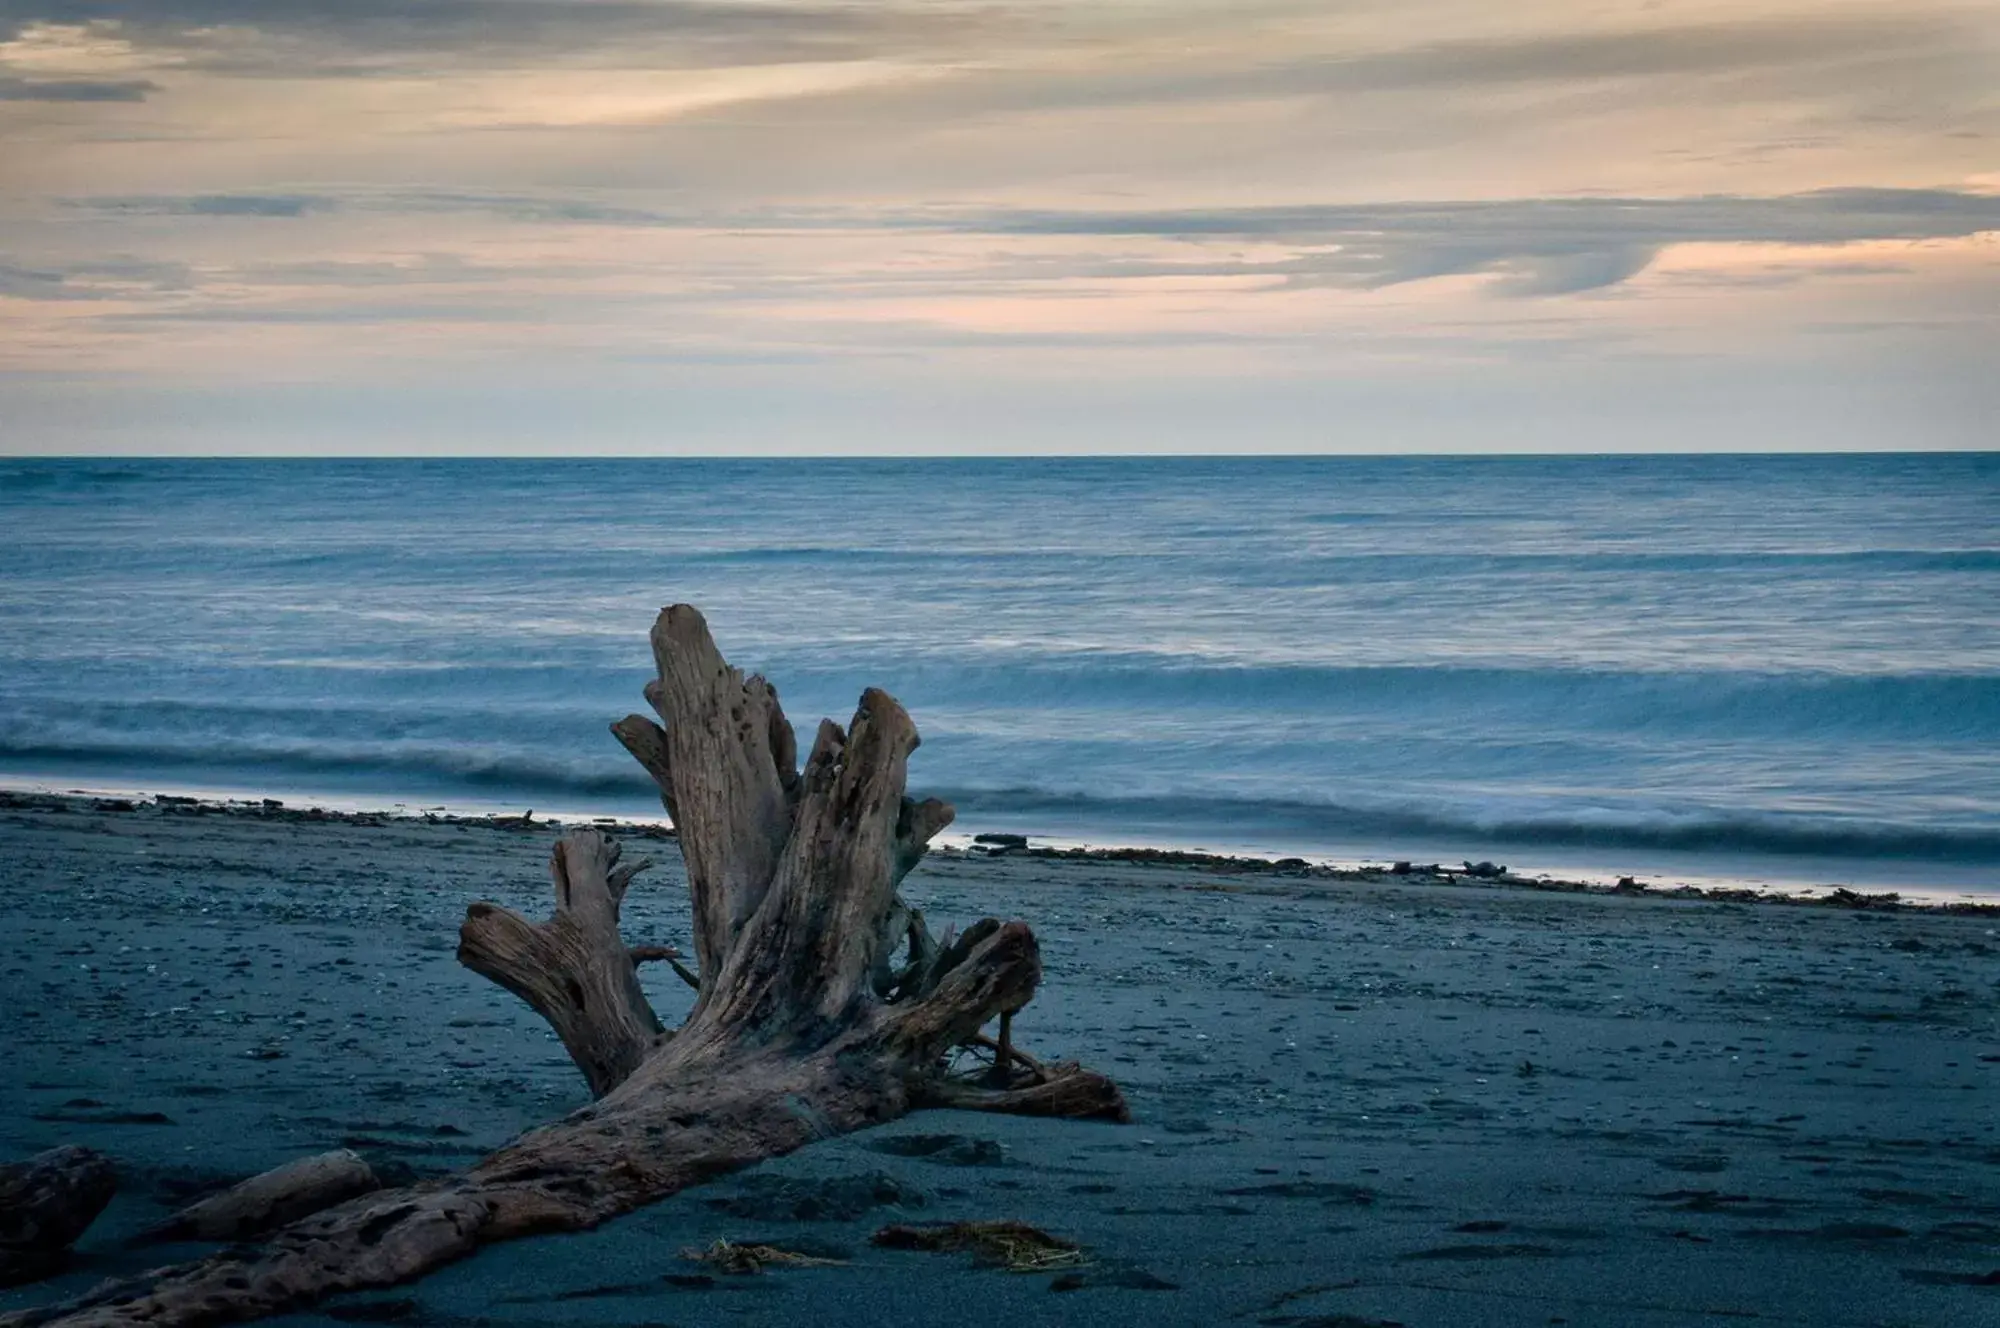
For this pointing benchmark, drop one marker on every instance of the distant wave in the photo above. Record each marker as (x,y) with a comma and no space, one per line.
(1329,565)
(390,770)
(412,771)
(60,476)
(1944,707)
(1749,563)
(1384,828)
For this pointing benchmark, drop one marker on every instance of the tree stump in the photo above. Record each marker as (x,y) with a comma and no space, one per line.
(823,1003)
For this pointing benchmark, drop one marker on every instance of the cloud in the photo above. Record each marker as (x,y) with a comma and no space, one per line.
(1568,274)
(373,314)
(402,19)
(76,89)
(1645,52)
(25,283)
(1772,58)
(1823,216)
(1530,246)
(214,205)
(310,38)
(94,279)
(1537,246)
(1772,276)
(553,209)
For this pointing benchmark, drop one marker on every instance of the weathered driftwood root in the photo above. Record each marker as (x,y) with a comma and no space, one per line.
(272,1199)
(805,1023)
(574,969)
(46,1202)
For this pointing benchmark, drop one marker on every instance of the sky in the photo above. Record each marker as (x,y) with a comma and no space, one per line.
(940,226)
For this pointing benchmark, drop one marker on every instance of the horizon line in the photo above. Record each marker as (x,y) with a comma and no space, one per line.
(1108,455)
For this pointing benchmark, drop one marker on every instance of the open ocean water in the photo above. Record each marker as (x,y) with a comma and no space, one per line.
(1777,667)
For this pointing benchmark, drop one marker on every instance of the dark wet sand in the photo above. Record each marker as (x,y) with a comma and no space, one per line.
(1359,1102)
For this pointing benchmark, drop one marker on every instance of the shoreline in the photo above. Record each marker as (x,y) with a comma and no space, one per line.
(1478,875)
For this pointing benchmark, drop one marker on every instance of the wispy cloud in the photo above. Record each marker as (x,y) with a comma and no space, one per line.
(76,89)
(213,205)
(1534,246)
(92,279)
(1540,246)
(29,283)
(367,38)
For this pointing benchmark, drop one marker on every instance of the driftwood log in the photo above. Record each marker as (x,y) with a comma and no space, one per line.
(46,1202)
(823,1003)
(267,1201)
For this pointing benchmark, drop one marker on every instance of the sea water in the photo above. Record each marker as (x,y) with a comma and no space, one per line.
(1782,667)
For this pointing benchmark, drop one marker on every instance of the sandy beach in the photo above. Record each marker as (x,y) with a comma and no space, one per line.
(1358,1101)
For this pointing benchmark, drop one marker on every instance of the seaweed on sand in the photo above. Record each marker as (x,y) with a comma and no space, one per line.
(727,1256)
(1014,1246)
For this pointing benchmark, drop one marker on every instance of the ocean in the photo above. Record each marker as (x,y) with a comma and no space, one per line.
(1779,668)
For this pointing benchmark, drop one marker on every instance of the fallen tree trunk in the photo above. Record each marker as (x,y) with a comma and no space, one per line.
(805,1023)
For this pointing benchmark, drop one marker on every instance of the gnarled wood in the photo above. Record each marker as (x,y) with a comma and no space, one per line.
(724,757)
(574,969)
(805,1025)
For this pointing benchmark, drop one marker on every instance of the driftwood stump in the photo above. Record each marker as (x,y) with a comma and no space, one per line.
(823,1003)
